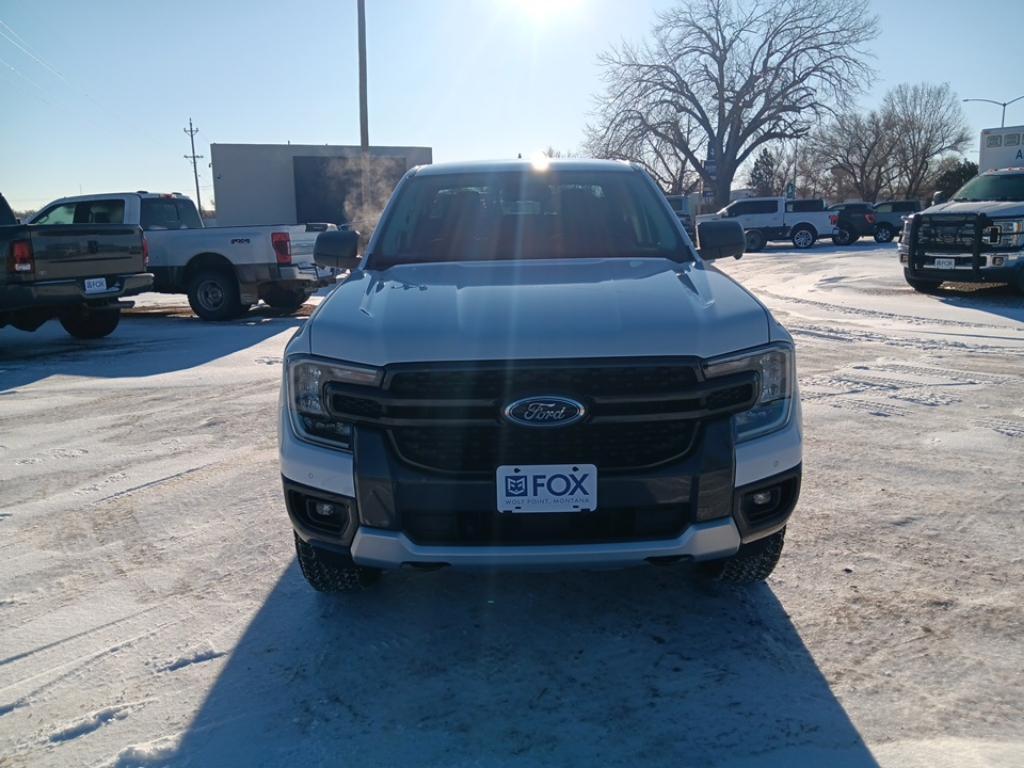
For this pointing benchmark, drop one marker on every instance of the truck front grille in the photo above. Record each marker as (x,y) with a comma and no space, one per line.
(447,417)
(609,446)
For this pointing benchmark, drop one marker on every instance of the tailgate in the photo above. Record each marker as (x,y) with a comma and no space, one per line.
(86,250)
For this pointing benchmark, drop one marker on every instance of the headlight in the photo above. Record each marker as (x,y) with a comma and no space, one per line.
(1010,226)
(307,403)
(776,370)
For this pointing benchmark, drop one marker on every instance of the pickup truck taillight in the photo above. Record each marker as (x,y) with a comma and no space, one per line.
(145,253)
(21,259)
(870,218)
(833,219)
(282,243)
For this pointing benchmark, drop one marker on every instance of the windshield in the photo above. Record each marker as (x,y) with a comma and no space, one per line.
(533,215)
(1003,187)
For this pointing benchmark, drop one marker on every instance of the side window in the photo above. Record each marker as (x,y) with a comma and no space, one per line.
(100,212)
(188,216)
(1011,140)
(884,208)
(739,209)
(159,213)
(763,206)
(908,206)
(58,214)
(994,140)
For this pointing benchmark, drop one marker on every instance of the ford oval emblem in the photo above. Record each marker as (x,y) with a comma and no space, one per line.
(545,411)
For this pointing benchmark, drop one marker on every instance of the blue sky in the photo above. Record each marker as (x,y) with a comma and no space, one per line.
(100,101)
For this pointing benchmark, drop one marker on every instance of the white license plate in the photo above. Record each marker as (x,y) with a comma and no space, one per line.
(547,488)
(945,263)
(95,284)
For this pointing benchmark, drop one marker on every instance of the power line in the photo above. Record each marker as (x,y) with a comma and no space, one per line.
(13,38)
(27,79)
(193,157)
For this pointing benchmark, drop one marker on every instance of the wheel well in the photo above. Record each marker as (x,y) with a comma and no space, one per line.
(204,261)
(804,225)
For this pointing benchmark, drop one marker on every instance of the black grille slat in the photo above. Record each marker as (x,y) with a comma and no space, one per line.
(500,382)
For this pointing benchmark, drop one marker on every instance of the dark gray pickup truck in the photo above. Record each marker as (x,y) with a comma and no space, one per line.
(77,272)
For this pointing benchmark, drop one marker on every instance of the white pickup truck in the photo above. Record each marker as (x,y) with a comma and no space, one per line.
(224,270)
(776,218)
(532,366)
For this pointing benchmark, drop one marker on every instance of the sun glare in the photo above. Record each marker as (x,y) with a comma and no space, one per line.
(542,11)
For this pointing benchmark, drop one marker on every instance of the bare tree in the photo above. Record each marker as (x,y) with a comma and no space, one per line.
(929,124)
(630,139)
(728,76)
(857,150)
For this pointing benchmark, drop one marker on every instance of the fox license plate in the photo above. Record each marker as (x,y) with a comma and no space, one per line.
(530,488)
(95,284)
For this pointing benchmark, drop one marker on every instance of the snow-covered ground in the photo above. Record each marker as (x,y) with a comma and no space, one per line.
(151,611)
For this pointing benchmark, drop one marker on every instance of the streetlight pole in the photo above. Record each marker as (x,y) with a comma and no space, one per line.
(1003,104)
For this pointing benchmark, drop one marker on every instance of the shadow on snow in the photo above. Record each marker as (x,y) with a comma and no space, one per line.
(640,667)
(142,345)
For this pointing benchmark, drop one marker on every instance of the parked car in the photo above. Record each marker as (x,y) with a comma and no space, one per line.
(77,271)
(766,219)
(681,206)
(853,221)
(223,270)
(977,237)
(889,217)
(536,368)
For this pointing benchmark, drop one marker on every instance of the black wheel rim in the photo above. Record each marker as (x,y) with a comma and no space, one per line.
(210,294)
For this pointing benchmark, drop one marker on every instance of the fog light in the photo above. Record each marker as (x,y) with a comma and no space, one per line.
(761,498)
(324,509)
(998,261)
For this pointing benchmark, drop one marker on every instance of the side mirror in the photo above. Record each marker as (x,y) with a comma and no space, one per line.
(720,239)
(337,249)
(939,198)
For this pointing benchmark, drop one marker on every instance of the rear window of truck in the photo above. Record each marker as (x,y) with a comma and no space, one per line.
(169,213)
(514,215)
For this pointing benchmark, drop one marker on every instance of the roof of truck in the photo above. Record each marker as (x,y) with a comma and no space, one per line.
(100,195)
(498,166)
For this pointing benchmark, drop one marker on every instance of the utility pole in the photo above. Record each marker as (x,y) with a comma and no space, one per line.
(193,157)
(364,125)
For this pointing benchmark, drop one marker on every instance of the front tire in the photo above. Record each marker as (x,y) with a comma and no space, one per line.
(86,323)
(921,286)
(756,240)
(803,237)
(327,573)
(286,301)
(884,233)
(753,563)
(213,295)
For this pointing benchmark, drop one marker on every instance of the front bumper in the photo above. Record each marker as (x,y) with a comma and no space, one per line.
(378,492)
(70,292)
(700,541)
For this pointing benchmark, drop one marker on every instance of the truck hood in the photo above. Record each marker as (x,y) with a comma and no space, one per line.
(991,208)
(536,310)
